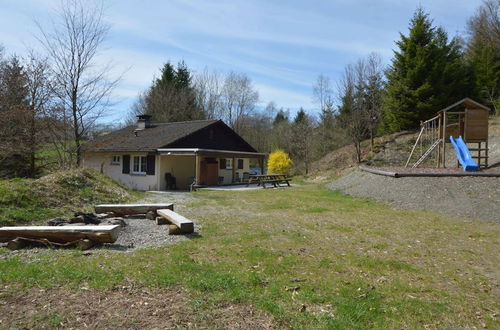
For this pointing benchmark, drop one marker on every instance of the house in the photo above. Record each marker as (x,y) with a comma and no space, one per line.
(167,156)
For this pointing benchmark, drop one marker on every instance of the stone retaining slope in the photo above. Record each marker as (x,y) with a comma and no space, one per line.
(473,198)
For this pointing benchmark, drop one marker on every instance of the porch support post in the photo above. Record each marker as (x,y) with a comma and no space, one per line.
(197,169)
(233,171)
(261,162)
(157,171)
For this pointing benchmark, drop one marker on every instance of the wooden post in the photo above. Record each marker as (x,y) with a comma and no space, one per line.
(261,162)
(197,169)
(486,155)
(479,154)
(233,172)
(439,136)
(444,139)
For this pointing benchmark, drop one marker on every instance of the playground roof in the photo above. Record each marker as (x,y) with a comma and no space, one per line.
(468,103)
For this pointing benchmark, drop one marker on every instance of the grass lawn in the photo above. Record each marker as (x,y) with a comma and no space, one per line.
(305,256)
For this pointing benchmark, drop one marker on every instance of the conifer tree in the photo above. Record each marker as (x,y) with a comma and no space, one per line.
(427,73)
(171,96)
(483,52)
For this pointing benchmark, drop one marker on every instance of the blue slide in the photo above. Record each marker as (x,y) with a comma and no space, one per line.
(463,154)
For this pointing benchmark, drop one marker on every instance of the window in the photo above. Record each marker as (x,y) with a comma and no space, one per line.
(139,165)
(226,164)
(240,164)
(115,160)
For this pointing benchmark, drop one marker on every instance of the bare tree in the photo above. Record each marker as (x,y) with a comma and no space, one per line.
(372,83)
(323,92)
(73,44)
(238,99)
(208,87)
(351,112)
(39,97)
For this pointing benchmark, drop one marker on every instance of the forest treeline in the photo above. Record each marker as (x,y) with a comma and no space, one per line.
(49,102)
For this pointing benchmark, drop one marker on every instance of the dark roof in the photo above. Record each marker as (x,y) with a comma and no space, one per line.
(191,134)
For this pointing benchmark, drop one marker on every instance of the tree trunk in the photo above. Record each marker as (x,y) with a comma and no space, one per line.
(32,146)
(76,126)
(372,142)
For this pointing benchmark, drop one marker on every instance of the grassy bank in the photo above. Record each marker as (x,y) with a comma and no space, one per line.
(309,257)
(57,194)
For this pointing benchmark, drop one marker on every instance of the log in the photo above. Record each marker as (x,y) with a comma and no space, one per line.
(162,221)
(185,225)
(174,230)
(127,209)
(21,242)
(62,234)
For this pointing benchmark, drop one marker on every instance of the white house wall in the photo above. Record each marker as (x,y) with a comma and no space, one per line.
(181,167)
(101,162)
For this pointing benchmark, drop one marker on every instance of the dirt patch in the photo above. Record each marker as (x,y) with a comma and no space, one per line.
(474,198)
(123,308)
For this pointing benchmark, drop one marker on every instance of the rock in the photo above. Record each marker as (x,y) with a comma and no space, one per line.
(101,216)
(57,222)
(88,218)
(151,215)
(77,219)
(162,221)
(114,221)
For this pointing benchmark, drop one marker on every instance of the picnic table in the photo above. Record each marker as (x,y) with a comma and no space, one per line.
(275,179)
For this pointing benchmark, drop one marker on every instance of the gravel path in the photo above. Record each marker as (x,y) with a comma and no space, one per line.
(474,198)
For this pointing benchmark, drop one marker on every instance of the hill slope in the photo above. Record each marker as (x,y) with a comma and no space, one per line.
(393,150)
(57,194)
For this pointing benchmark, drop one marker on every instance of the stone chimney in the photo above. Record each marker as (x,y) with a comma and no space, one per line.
(143,122)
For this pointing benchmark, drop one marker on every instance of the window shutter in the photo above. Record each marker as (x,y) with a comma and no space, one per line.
(240,164)
(222,163)
(126,164)
(150,165)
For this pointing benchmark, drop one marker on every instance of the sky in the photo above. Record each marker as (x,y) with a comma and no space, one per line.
(281,45)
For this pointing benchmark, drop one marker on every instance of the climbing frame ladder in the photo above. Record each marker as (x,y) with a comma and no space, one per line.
(429,131)
(427,153)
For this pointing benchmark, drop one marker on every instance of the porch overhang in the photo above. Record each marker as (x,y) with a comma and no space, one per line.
(208,153)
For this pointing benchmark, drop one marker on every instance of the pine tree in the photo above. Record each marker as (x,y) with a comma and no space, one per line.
(483,52)
(13,118)
(172,96)
(427,73)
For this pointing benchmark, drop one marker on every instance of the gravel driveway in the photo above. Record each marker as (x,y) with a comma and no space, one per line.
(474,198)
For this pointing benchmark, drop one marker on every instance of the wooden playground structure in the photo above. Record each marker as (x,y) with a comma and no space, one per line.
(470,122)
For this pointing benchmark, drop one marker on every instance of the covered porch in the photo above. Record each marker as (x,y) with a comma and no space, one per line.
(181,168)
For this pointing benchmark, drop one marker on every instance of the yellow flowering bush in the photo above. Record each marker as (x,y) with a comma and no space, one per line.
(279,162)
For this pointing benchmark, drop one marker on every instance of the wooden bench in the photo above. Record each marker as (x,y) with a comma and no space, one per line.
(186,226)
(126,209)
(275,179)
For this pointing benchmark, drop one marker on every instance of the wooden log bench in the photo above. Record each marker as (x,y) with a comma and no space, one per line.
(62,234)
(128,209)
(185,226)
